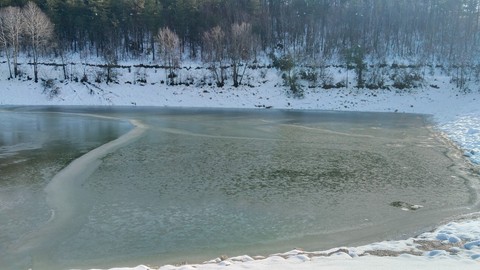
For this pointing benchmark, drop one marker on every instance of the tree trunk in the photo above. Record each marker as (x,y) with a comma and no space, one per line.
(35,71)
(235,74)
(7,53)
(15,63)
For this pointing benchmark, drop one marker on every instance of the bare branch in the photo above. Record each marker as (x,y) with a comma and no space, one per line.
(38,29)
(11,25)
(214,52)
(169,46)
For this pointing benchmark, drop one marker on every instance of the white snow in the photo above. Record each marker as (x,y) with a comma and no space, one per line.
(455,245)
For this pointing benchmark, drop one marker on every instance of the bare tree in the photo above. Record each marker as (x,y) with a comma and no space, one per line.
(214,52)
(240,50)
(38,30)
(4,41)
(169,47)
(11,27)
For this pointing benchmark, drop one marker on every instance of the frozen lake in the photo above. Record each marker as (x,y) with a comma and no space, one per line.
(197,184)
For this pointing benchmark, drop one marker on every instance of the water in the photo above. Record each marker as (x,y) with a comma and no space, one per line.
(196,184)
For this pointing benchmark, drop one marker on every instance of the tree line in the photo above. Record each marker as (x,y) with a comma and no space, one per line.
(231,33)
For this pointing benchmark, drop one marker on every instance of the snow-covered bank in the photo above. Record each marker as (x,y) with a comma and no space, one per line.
(455,245)
(455,112)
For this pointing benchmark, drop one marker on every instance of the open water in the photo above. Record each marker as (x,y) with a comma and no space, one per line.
(191,185)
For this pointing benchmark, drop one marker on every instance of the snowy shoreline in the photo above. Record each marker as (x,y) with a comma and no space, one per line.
(457,115)
(454,112)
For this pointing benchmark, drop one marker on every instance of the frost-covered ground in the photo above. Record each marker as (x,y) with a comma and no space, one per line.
(457,114)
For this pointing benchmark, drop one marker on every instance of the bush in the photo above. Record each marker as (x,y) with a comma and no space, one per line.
(107,74)
(263,74)
(324,76)
(172,75)
(292,82)
(375,79)
(84,78)
(141,76)
(284,63)
(309,75)
(100,75)
(407,80)
(50,88)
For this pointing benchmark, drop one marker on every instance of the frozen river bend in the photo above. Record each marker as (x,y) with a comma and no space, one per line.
(193,184)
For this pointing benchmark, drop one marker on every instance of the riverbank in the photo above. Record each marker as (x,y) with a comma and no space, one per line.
(455,245)
(457,114)
(454,111)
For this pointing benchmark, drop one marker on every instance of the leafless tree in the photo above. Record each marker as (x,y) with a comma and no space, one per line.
(214,53)
(11,27)
(169,47)
(240,50)
(38,30)
(4,41)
